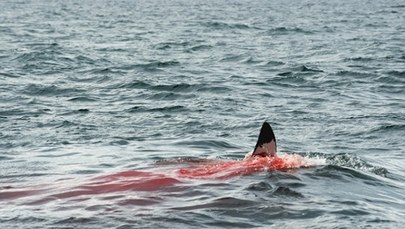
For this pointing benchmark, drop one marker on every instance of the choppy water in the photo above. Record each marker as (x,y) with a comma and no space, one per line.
(89,88)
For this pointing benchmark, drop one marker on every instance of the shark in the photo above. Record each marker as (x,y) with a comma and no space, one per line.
(262,158)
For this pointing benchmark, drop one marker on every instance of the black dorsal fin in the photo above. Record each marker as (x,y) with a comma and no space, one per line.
(266,144)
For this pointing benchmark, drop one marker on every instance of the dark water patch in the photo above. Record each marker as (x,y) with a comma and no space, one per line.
(360,59)
(285,74)
(273,63)
(340,172)
(379,221)
(66,123)
(169,45)
(113,49)
(276,176)
(344,202)
(9,75)
(21,113)
(355,76)
(156,65)
(350,73)
(297,77)
(260,186)
(391,80)
(76,221)
(230,224)
(232,58)
(290,184)
(288,30)
(199,48)
(82,59)
(398,6)
(152,66)
(288,192)
(82,99)
(87,172)
(214,89)
(103,71)
(83,110)
(139,202)
(225,25)
(5,158)
(137,84)
(220,203)
(48,90)
(39,55)
(21,220)
(251,60)
(50,59)
(394,89)
(384,12)
(388,128)
(6,29)
(42,44)
(289,79)
(85,77)
(304,68)
(165,109)
(97,207)
(397,73)
(351,212)
(119,142)
(172,220)
(25,175)
(179,87)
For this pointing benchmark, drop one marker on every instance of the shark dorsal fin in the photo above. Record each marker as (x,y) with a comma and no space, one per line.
(266,144)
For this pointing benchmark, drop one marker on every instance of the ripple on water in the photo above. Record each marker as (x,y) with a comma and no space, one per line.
(49,90)
(165,109)
(354,163)
(224,25)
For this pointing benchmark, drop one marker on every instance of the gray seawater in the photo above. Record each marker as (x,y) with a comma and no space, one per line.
(89,88)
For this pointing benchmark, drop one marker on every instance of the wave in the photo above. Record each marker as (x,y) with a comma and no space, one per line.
(384,128)
(45,90)
(156,65)
(225,25)
(165,109)
(180,87)
(168,45)
(288,30)
(397,73)
(343,161)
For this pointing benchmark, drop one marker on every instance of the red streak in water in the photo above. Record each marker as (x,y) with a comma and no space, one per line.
(134,180)
(119,182)
(228,169)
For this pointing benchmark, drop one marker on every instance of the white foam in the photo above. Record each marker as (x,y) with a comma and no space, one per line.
(298,161)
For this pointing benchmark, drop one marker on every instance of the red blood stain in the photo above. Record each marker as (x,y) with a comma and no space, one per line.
(123,181)
(134,180)
(228,169)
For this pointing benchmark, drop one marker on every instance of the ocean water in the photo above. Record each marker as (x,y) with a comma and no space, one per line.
(91,88)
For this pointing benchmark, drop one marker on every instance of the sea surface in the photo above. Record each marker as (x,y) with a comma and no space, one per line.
(91,88)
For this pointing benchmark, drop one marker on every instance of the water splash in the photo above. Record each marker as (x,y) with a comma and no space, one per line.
(347,160)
